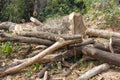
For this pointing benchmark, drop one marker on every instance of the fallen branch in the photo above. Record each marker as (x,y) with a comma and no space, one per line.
(42,72)
(94,71)
(45,75)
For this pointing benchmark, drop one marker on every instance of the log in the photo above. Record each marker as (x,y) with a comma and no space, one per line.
(50,36)
(115,41)
(45,75)
(25,39)
(85,42)
(101,33)
(36,58)
(94,71)
(101,46)
(35,21)
(42,72)
(7,25)
(107,57)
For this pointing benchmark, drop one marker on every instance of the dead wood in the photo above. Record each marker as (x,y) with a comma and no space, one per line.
(35,21)
(7,25)
(101,33)
(85,42)
(50,36)
(36,58)
(110,45)
(101,46)
(71,68)
(45,75)
(42,72)
(94,71)
(25,39)
(113,59)
(115,41)
(77,25)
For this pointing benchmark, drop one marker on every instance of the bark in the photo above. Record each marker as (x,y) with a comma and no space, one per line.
(94,71)
(116,41)
(101,46)
(7,25)
(25,39)
(36,58)
(71,68)
(113,59)
(35,13)
(85,42)
(77,24)
(42,72)
(102,33)
(50,36)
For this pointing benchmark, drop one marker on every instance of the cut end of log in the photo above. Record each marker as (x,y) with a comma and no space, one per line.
(35,21)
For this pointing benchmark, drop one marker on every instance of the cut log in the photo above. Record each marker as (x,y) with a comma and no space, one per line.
(101,46)
(25,39)
(85,42)
(35,21)
(102,33)
(94,71)
(115,41)
(42,72)
(36,58)
(50,36)
(7,25)
(113,59)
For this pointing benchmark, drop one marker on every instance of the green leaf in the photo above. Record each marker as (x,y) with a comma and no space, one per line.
(9,49)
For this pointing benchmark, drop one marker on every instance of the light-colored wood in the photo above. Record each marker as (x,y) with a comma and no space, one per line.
(94,71)
(77,25)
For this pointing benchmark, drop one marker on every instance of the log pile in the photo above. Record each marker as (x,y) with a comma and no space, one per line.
(67,33)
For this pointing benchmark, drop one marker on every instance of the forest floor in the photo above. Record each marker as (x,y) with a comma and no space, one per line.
(58,70)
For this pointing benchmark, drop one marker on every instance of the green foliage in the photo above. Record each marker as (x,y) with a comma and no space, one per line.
(6,47)
(16,10)
(112,15)
(56,8)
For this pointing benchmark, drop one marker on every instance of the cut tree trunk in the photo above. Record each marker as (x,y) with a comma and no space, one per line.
(102,33)
(113,59)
